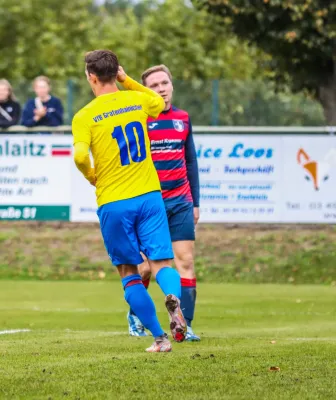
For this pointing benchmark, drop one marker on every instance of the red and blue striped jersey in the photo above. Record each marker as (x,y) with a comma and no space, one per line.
(174,156)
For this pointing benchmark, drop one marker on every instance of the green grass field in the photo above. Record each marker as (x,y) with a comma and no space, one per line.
(77,346)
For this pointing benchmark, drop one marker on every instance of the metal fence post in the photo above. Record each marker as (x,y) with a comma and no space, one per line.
(215,102)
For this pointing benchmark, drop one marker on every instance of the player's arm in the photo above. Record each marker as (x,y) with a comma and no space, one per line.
(83,162)
(82,140)
(192,171)
(153,102)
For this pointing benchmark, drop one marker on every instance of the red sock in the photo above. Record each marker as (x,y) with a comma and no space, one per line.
(188,282)
(146,283)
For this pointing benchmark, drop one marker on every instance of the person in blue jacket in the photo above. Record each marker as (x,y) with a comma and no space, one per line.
(44,109)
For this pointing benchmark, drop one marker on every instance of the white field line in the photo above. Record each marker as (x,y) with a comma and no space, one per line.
(11,331)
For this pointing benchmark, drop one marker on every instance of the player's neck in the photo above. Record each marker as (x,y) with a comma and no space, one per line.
(167,108)
(106,89)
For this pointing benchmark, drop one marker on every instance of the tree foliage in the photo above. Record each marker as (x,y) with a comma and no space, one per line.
(174,33)
(43,37)
(300,35)
(50,37)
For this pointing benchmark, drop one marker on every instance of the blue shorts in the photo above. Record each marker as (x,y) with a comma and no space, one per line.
(134,225)
(181,221)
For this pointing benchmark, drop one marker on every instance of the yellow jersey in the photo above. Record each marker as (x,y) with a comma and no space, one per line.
(114,127)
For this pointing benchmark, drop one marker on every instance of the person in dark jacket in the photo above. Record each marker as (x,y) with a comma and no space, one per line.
(44,109)
(10,109)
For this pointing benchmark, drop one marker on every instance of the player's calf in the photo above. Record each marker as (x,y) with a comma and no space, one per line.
(139,300)
(135,326)
(184,261)
(170,283)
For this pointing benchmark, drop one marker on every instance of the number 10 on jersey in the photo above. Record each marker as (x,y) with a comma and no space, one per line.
(131,142)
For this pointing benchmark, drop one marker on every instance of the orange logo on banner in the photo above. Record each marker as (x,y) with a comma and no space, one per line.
(316,171)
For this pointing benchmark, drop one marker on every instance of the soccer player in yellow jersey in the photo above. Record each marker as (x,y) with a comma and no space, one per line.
(130,207)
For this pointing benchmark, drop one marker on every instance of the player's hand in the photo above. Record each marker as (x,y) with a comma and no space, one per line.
(196,215)
(121,76)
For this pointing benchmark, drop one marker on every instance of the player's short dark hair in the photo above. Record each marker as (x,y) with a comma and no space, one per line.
(156,68)
(102,63)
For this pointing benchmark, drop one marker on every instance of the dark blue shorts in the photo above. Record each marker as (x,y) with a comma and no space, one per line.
(181,221)
(134,225)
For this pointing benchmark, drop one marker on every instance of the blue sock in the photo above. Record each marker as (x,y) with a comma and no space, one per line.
(146,284)
(169,281)
(141,303)
(188,299)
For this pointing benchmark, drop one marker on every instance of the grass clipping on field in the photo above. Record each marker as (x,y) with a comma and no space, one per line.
(226,253)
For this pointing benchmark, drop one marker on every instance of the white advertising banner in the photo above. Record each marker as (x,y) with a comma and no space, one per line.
(84,206)
(309,179)
(243,178)
(240,178)
(35,180)
(254,178)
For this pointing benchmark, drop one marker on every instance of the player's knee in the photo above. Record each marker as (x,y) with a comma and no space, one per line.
(145,271)
(157,265)
(185,263)
(127,270)
(146,274)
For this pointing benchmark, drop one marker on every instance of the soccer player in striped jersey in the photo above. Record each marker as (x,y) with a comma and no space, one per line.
(174,156)
(130,206)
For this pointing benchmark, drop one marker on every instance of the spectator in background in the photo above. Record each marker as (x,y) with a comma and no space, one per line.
(10,109)
(44,109)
